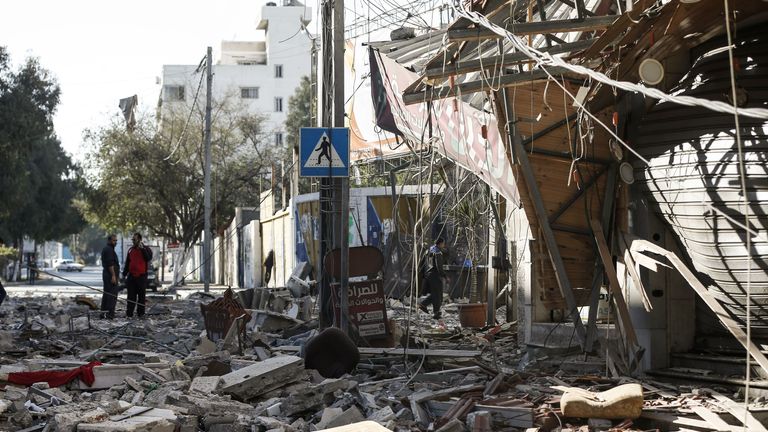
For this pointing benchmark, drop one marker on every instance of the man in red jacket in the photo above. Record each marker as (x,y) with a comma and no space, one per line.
(135,272)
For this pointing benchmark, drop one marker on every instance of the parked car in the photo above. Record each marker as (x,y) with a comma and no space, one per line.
(152,282)
(68,265)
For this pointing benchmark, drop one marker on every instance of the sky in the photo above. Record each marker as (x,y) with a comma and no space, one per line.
(102,51)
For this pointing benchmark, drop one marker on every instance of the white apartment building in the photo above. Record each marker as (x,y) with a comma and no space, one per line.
(263,74)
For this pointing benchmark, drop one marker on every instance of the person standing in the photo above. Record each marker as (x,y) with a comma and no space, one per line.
(135,274)
(110,270)
(434,278)
(268,264)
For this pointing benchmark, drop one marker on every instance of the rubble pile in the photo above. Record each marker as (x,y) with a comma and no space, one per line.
(164,373)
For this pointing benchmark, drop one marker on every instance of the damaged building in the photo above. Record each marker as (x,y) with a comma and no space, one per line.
(598,168)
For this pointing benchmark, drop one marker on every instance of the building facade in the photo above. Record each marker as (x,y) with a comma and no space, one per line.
(263,75)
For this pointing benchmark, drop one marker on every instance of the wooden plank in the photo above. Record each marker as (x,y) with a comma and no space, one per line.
(713,419)
(629,263)
(552,246)
(497,61)
(520,417)
(615,287)
(420,397)
(464,354)
(641,245)
(470,87)
(535,27)
(738,411)
(677,420)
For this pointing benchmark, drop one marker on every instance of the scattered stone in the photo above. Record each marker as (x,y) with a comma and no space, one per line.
(261,377)
(351,415)
(205,385)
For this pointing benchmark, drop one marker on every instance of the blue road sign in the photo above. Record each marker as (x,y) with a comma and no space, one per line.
(324,152)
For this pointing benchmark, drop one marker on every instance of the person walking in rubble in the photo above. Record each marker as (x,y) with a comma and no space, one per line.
(434,278)
(111,268)
(135,274)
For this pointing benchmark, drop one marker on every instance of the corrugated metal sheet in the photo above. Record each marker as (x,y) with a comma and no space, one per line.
(694,160)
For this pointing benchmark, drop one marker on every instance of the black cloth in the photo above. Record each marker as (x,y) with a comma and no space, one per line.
(109,258)
(332,353)
(109,296)
(434,289)
(137,292)
(433,282)
(269,263)
(2,293)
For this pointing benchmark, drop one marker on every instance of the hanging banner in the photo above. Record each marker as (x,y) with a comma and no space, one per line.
(458,126)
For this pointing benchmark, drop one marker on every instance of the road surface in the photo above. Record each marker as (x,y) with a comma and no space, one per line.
(71,284)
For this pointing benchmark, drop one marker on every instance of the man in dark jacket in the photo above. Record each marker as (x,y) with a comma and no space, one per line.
(111,268)
(434,278)
(135,274)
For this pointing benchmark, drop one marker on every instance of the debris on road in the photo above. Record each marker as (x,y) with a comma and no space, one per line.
(68,371)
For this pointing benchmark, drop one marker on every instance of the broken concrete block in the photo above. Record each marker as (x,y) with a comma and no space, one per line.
(4,405)
(351,415)
(383,415)
(453,425)
(135,419)
(365,426)
(313,397)
(328,415)
(622,402)
(404,414)
(274,410)
(480,421)
(597,424)
(296,283)
(262,377)
(205,385)
(69,421)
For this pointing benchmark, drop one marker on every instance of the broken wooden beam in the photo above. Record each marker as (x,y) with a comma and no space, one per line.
(640,245)
(536,27)
(466,88)
(494,62)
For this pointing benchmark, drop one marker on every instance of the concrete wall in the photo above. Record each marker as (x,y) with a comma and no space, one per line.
(278,235)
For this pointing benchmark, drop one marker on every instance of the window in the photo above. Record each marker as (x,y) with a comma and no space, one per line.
(278,139)
(278,71)
(278,104)
(174,92)
(249,92)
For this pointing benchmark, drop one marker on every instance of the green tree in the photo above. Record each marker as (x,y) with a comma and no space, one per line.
(38,179)
(301,108)
(152,177)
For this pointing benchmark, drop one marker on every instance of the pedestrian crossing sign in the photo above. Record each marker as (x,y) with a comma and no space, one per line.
(324,152)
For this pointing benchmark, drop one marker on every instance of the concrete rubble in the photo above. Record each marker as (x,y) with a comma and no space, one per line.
(163,373)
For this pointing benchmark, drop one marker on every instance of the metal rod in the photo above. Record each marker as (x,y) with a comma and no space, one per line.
(207,176)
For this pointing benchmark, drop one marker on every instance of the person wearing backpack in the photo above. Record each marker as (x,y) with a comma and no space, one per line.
(135,274)
(434,278)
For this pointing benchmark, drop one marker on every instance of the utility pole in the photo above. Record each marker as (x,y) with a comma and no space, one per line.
(334,192)
(207,180)
(338,120)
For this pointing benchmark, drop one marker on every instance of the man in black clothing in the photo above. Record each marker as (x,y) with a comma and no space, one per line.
(434,278)
(111,268)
